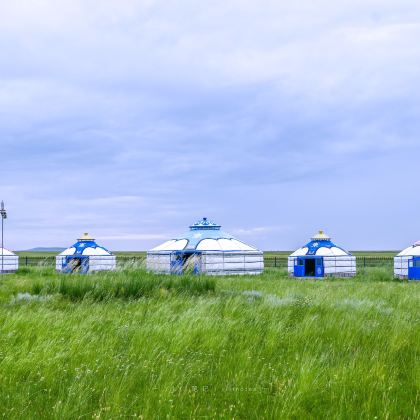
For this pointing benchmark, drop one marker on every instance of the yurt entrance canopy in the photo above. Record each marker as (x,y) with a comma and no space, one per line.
(407,263)
(205,249)
(321,257)
(85,256)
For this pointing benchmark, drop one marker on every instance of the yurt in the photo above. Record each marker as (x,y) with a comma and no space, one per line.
(407,263)
(321,258)
(84,257)
(9,262)
(205,249)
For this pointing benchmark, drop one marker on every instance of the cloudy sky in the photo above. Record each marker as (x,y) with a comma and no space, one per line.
(131,119)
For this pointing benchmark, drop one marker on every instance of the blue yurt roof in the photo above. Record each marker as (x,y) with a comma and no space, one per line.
(86,246)
(322,245)
(204,235)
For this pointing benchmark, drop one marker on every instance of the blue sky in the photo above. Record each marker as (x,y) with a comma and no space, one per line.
(132,119)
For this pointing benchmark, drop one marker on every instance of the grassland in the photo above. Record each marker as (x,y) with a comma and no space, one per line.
(132,344)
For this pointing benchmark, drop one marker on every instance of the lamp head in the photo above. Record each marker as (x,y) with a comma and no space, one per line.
(3,212)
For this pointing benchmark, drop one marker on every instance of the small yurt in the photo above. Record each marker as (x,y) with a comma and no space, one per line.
(85,256)
(9,261)
(321,258)
(407,263)
(205,249)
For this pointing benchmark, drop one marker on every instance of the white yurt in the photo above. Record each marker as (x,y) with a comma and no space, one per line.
(205,249)
(321,258)
(84,257)
(9,261)
(407,263)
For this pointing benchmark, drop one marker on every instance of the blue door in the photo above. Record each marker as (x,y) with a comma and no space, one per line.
(76,264)
(299,267)
(414,269)
(319,267)
(309,267)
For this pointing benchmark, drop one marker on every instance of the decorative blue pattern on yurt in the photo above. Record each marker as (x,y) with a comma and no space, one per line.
(314,245)
(81,245)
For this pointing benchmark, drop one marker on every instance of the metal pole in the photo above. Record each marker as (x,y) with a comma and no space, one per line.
(2,245)
(3,215)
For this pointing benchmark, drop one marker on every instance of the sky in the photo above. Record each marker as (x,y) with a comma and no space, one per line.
(132,119)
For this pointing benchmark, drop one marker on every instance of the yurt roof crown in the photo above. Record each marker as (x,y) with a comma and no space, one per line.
(205,224)
(321,236)
(86,237)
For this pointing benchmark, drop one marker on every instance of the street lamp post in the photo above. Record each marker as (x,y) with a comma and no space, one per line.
(3,216)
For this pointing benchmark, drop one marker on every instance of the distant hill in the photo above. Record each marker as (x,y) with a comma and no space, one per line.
(45,249)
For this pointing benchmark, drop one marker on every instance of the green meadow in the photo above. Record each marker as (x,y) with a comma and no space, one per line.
(131,344)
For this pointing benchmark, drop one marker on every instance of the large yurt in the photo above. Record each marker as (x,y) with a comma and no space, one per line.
(321,258)
(9,261)
(407,263)
(205,249)
(85,256)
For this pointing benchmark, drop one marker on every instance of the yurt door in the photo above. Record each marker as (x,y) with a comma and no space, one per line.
(310,264)
(185,262)
(79,264)
(299,267)
(176,262)
(192,263)
(414,269)
(309,267)
(319,267)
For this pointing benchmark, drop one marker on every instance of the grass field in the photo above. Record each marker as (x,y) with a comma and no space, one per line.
(132,344)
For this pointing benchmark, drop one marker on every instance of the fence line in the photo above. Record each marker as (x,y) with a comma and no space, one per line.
(269,262)
(361,261)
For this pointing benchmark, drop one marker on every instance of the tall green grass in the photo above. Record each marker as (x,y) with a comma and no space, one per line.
(128,284)
(250,347)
